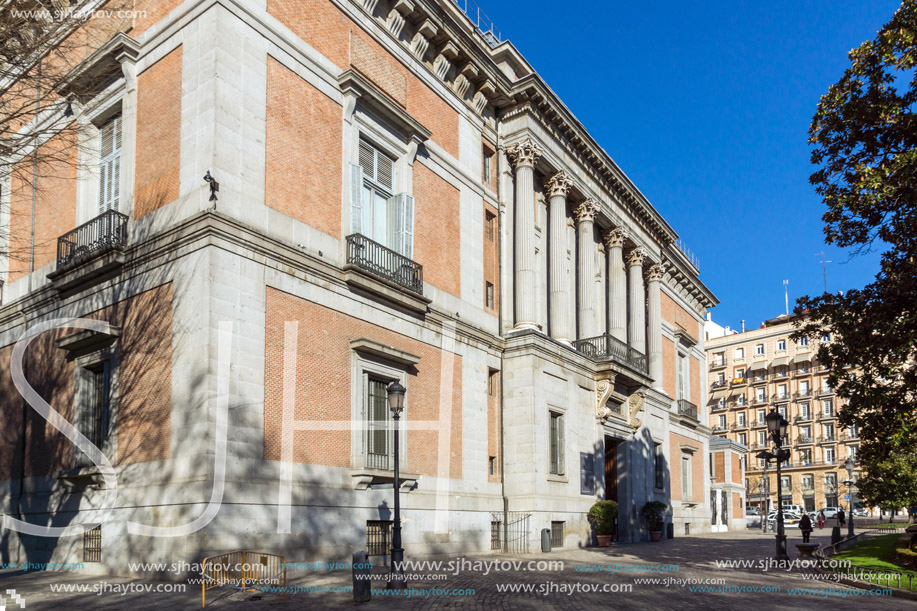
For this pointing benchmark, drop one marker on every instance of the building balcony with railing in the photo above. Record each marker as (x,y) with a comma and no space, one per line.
(738,382)
(384,263)
(759,401)
(719,428)
(718,406)
(736,404)
(827,439)
(609,347)
(850,436)
(756,424)
(802,394)
(827,415)
(804,440)
(739,426)
(719,384)
(802,418)
(780,397)
(688,409)
(92,252)
(780,375)
(758,379)
(824,391)
(714,365)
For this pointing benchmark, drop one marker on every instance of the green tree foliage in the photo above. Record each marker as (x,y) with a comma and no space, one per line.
(864,135)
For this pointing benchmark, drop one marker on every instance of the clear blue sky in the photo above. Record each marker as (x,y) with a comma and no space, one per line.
(706,106)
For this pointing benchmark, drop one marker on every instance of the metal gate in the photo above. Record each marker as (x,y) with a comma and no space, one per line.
(509,532)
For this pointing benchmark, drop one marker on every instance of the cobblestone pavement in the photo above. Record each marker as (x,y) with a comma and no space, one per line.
(695,557)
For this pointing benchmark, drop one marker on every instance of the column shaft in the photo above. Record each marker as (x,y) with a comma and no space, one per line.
(561,318)
(637,327)
(654,328)
(585,278)
(617,284)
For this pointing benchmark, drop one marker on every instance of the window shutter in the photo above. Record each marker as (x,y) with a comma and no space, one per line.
(401,224)
(367,160)
(384,170)
(110,165)
(356,196)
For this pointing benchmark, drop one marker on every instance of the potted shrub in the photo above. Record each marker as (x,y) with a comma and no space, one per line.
(654,514)
(602,517)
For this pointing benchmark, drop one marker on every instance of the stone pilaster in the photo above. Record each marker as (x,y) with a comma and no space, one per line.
(585,275)
(654,327)
(617,283)
(561,319)
(637,327)
(523,156)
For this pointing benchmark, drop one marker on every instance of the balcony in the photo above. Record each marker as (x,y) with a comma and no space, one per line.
(93,251)
(739,426)
(758,424)
(609,347)
(802,418)
(738,404)
(803,440)
(848,436)
(717,406)
(375,268)
(802,394)
(719,429)
(719,384)
(827,439)
(780,375)
(717,365)
(760,379)
(739,382)
(827,416)
(759,401)
(688,409)
(780,397)
(800,372)
(824,392)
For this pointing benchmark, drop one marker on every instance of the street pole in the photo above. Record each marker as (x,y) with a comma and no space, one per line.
(781,535)
(765,489)
(849,464)
(396,577)
(776,425)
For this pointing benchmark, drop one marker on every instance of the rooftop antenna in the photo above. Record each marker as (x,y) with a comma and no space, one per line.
(824,267)
(786,296)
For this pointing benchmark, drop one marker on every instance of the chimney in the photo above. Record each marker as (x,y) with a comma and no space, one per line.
(743,326)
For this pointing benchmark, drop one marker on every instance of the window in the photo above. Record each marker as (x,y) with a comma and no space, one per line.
(490,226)
(826,337)
(721,403)
(557,534)
(786,482)
(761,394)
(761,419)
(781,345)
(804,411)
(808,482)
(828,407)
(740,353)
(685,476)
(740,373)
(830,456)
(492,465)
(782,411)
(659,467)
(743,439)
(487,166)
(377,432)
(92,544)
(829,432)
(489,295)
(805,432)
(719,359)
(741,400)
(805,457)
(493,380)
(557,443)
(95,395)
(762,438)
(759,349)
(721,378)
(782,392)
(110,165)
(803,341)
(804,387)
(830,482)
(722,425)
(683,374)
(852,452)
(740,418)
(376,212)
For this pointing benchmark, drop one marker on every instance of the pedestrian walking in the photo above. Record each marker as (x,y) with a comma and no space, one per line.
(821,520)
(841,518)
(805,525)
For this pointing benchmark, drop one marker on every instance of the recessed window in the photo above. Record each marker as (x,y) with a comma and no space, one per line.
(556,433)
(376,211)
(659,466)
(803,341)
(487,166)
(489,295)
(92,545)
(759,349)
(492,465)
(685,476)
(110,165)
(95,396)
(490,225)
(493,381)
(826,337)
(740,353)
(781,345)
(557,534)
(378,446)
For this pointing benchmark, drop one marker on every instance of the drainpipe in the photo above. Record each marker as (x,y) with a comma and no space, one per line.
(500,212)
(25,414)
(34,180)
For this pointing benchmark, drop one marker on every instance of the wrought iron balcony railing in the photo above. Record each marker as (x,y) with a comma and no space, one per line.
(827,439)
(739,426)
(718,383)
(759,401)
(686,408)
(106,232)
(802,418)
(824,392)
(718,406)
(738,381)
(717,365)
(802,440)
(802,394)
(608,346)
(384,263)
(779,398)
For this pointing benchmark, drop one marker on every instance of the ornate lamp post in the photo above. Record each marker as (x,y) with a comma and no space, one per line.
(849,464)
(776,426)
(396,404)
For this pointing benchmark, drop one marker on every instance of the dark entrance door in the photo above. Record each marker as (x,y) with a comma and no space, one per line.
(611,469)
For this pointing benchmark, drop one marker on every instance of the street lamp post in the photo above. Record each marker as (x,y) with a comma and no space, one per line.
(396,405)
(766,493)
(849,464)
(776,426)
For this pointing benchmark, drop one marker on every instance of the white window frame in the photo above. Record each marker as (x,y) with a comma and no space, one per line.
(740,418)
(686,481)
(830,455)
(110,164)
(803,341)
(739,353)
(781,345)
(560,413)
(759,349)
(362,367)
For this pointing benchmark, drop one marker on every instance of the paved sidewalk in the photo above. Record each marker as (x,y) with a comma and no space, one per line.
(695,557)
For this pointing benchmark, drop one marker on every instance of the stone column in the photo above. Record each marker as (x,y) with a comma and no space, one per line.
(585,275)
(637,327)
(617,283)
(654,328)
(561,318)
(523,155)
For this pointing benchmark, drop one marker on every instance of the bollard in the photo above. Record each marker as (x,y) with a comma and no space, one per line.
(362,573)
(835,535)
(545,540)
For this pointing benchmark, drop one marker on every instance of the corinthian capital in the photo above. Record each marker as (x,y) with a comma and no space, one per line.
(655,273)
(616,237)
(587,210)
(636,256)
(524,153)
(559,184)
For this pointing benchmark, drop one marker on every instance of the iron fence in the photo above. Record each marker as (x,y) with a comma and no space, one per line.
(608,346)
(509,531)
(384,262)
(108,231)
(378,537)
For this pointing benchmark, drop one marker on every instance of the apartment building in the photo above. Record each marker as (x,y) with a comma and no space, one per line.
(401,198)
(758,370)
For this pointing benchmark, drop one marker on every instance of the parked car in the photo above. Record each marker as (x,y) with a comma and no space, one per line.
(752,511)
(830,512)
(789,519)
(860,512)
